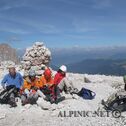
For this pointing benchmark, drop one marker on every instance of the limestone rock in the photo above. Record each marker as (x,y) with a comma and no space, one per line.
(36,57)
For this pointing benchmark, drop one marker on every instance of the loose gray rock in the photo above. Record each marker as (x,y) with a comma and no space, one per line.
(36,57)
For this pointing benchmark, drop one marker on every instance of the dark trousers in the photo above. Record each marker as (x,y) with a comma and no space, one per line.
(8,95)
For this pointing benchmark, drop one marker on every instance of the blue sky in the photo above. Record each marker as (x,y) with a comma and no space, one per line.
(63,23)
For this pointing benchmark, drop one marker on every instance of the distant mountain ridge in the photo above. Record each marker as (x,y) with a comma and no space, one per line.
(99,66)
(100,60)
(73,55)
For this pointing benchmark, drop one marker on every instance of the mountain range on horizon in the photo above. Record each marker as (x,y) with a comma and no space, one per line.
(91,60)
(99,66)
(97,60)
(77,54)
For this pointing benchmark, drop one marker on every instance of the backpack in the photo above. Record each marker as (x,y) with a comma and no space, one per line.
(87,94)
(4,95)
(119,103)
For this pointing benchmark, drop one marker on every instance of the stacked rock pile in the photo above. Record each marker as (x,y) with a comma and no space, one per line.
(36,57)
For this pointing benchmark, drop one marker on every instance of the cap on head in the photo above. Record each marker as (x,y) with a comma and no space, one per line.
(63,68)
(12,70)
(32,73)
(11,66)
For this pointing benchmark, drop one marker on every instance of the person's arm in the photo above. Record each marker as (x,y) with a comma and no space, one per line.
(4,81)
(51,83)
(41,82)
(56,78)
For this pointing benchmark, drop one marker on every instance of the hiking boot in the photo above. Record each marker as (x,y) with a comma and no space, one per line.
(59,99)
(52,100)
(68,90)
(25,102)
(12,104)
(104,104)
(74,91)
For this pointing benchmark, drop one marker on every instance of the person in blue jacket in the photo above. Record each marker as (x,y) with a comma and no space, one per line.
(12,80)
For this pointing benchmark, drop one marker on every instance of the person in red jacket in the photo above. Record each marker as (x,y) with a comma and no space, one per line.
(61,74)
(62,83)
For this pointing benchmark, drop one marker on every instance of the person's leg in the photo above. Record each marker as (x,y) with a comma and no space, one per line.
(66,85)
(12,101)
(58,98)
(17,92)
(62,84)
(24,99)
(49,94)
(4,97)
(41,94)
(33,98)
(58,91)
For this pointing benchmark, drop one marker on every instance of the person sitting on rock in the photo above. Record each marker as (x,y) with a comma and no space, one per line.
(29,94)
(13,80)
(46,85)
(62,83)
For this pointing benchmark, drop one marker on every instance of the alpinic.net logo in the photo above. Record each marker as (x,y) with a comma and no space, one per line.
(102,114)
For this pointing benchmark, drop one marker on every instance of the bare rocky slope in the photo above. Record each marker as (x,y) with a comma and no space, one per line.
(8,53)
(46,114)
(36,115)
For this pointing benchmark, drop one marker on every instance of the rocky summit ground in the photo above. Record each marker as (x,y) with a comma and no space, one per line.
(36,115)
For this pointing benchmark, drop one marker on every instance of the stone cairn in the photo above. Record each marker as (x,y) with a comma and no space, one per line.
(36,57)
